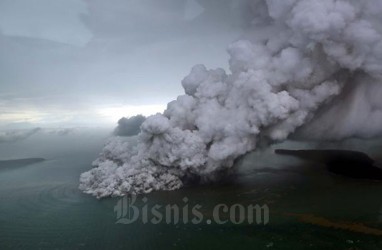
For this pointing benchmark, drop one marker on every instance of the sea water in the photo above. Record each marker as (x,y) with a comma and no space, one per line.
(41,206)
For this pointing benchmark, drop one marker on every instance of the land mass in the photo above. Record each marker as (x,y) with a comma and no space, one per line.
(348,163)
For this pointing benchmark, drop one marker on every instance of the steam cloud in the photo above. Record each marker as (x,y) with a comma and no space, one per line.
(305,65)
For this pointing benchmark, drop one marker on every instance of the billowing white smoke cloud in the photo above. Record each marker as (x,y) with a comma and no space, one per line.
(299,56)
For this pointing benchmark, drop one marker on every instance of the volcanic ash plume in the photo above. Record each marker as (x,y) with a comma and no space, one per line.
(302,63)
(129,126)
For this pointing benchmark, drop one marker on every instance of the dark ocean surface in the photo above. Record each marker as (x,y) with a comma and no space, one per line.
(42,208)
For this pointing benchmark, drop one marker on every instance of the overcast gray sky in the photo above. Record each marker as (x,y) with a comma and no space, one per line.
(89,62)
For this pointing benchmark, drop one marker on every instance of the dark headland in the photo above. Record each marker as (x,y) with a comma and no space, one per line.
(347,163)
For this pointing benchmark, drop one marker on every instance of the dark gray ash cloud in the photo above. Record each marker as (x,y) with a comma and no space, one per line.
(129,126)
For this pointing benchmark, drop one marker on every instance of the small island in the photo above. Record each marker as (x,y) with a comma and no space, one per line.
(347,163)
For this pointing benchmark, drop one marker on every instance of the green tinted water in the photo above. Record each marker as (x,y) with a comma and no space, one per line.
(42,208)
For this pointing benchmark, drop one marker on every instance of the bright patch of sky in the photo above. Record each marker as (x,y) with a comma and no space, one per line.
(90,62)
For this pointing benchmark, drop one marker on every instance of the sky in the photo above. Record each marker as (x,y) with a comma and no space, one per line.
(90,62)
